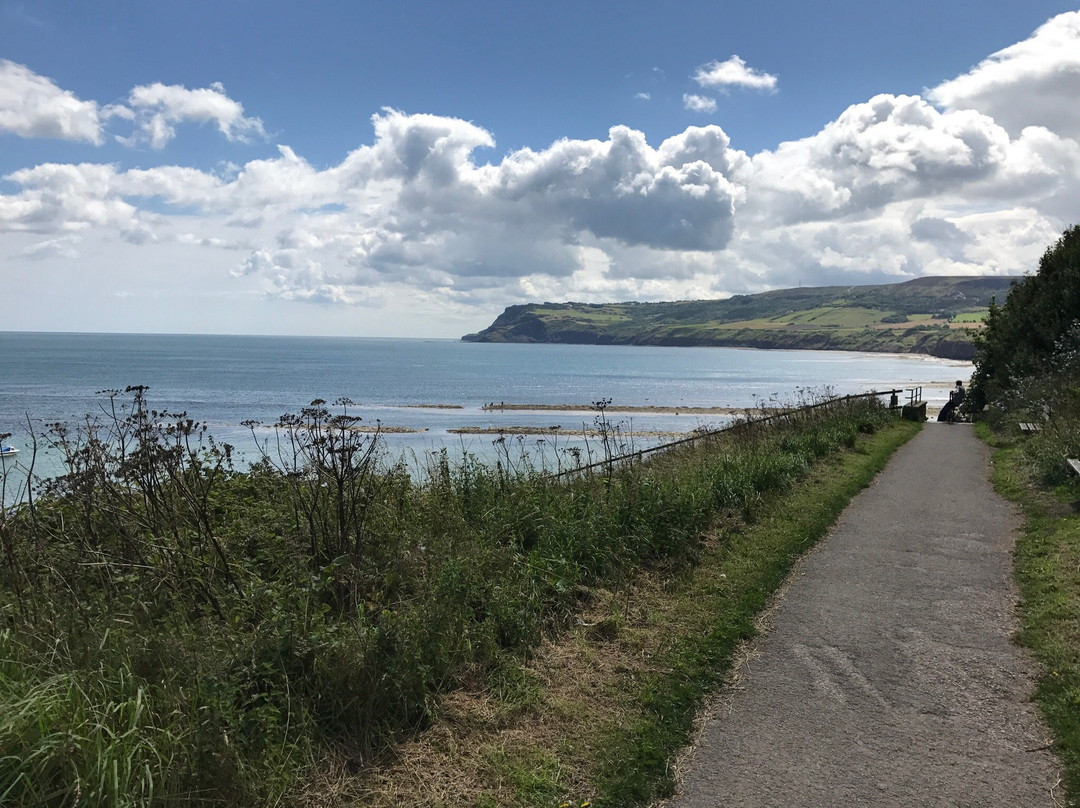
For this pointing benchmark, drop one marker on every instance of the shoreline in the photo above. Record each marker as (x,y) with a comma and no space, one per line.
(569,433)
(503,406)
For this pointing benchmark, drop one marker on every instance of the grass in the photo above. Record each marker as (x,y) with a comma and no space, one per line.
(612,701)
(794,325)
(174,630)
(1031,471)
(973,317)
(826,317)
(715,613)
(832,317)
(608,316)
(842,317)
(1047,564)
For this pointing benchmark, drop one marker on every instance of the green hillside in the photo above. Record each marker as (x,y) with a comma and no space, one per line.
(932,315)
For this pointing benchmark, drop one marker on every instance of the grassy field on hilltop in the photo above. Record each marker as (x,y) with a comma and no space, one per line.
(935,316)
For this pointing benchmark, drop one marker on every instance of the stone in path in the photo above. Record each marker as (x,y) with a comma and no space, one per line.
(887,676)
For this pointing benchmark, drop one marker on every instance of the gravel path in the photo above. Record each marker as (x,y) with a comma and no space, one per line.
(885,675)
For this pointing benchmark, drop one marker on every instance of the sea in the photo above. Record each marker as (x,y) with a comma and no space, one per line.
(423,387)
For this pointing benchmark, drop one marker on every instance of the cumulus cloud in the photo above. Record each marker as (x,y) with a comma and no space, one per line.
(674,197)
(33,106)
(699,103)
(886,191)
(938,231)
(159,107)
(415,205)
(895,187)
(425,150)
(887,149)
(419,210)
(1031,83)
(293,277)
(59,198)
(733,72)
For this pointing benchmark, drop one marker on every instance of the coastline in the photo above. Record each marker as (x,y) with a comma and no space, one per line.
(659,409)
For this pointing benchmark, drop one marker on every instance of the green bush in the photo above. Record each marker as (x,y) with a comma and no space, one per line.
(1037,323)
(172,629)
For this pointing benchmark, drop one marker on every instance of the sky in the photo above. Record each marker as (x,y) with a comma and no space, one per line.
(409,169)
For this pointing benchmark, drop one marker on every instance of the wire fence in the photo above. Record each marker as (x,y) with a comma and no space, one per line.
(610,462)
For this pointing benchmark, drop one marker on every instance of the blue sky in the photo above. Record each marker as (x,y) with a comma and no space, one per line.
(216,167)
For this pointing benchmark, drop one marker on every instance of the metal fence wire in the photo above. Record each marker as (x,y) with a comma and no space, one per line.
(913,394)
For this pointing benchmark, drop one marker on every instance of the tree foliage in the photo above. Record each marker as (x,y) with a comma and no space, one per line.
(1024,336)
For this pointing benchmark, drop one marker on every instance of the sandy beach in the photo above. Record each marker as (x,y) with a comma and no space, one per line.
(558,430)
(503,406)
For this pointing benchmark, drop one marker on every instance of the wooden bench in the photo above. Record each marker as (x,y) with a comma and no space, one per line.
(1028,427)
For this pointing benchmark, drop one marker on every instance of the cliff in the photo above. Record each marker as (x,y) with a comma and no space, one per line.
(934,315)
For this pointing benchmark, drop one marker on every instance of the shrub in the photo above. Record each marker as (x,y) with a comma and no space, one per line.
(218,630)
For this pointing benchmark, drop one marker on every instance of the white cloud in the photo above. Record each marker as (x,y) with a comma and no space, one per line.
(887,149)
(420,211)
(643,96)
(33,106)
(885,192)
(159,107)
(427,214)
(699,103)
(1032,83)
(674,197)
(733,72)
(413,207)
(59,247)
(59,198)
(290,276)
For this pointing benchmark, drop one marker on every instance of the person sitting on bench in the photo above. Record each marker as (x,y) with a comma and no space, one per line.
(949,411)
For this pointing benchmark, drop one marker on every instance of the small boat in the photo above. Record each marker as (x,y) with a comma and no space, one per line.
(8,451)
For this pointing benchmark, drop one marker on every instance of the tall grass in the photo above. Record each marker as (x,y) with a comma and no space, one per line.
(1051,399)
(172,629)
(1031,470)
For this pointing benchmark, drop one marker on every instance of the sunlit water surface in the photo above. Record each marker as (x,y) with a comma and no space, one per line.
(223,381)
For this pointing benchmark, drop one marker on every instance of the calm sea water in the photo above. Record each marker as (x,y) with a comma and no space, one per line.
(225,380)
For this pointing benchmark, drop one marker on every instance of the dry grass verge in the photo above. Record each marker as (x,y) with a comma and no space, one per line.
(579,720)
